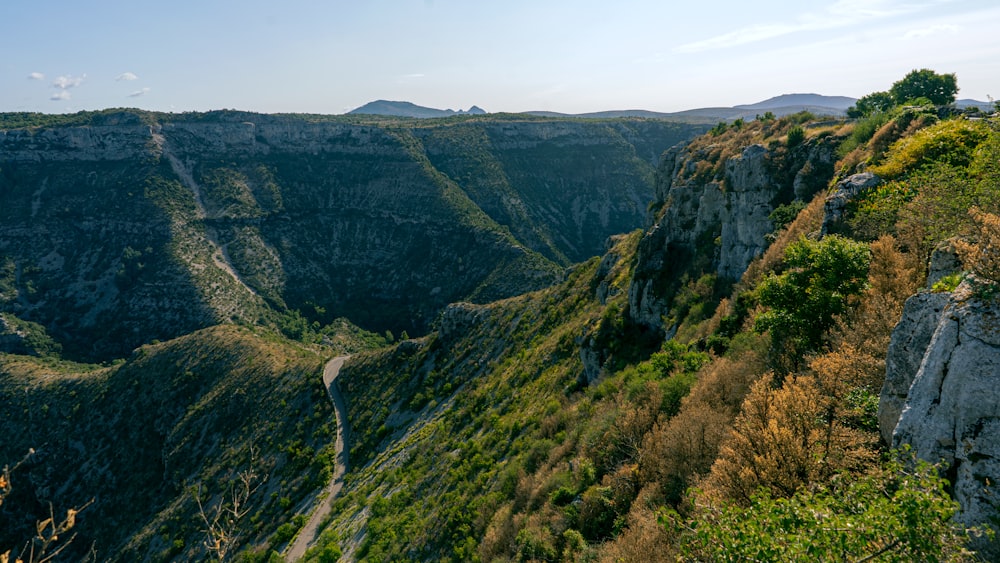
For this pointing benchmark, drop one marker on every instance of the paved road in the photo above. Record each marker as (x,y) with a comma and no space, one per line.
(310,531)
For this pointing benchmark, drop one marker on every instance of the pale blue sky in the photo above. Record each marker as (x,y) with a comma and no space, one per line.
(513,55)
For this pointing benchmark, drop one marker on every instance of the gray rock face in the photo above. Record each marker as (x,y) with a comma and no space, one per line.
(952,408)
(748,203)
(909,341)
(846,190)
(944,262)
(723,218)
(692,209)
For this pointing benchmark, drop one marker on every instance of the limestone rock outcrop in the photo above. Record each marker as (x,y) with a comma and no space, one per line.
(458,319)
(845,191)
(909,341)
(721,218)
(946,354)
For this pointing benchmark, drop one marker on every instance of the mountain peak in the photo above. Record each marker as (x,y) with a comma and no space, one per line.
(409,109)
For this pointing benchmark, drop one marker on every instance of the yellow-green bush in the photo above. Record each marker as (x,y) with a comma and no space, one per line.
(950,142)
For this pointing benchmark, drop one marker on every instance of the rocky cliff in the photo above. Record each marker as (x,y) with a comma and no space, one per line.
(713,201)
(124,227)
(941,392)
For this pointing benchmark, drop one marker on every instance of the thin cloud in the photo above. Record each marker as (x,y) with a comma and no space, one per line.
(126,76)
(842,13)
(138,93)
(67,82)
(36,76)
(60,96)
(932,30)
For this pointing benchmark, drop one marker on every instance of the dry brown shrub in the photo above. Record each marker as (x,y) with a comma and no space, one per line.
(533,489)
(839,371)
(498,540)
(644,539)
(837,374)
(677,452)
(982,255)
(851,162)
(863,335)
(773,443)
(788,437)
(725,382)
(684,447)
(894,273)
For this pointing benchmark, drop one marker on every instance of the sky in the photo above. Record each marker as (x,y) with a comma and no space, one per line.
(329,57)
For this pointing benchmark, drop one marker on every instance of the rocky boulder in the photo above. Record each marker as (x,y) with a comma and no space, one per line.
(845,191)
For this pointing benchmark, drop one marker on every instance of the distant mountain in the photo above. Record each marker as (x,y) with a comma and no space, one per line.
(407,109)
(967,103)
(779,105)
(803,100)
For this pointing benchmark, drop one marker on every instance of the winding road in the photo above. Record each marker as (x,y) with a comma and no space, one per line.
(310,531)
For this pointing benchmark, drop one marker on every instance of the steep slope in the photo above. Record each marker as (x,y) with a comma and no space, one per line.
(146,436)
(557,426)
(453,418)
(122,227)
(512,404)
(714,199)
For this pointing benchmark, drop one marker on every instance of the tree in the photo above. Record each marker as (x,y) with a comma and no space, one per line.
(44,546)
(804,301)
(940,89)
(872,103)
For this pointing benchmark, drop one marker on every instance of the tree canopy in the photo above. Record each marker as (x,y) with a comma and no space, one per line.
(925,83)
(804,300)
(871,103)
(940,89)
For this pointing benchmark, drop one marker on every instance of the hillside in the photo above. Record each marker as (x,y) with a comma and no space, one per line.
(142,438)
(560,426)
(762,371)
(122,227)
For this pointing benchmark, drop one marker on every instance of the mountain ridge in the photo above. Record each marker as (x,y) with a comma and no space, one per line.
(780,106)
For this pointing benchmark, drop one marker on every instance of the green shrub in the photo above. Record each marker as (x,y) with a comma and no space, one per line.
(950,142)
(896,514)
(795,136)
(863,130)
(804,301)
(876,212)
(785,214)
(947,284)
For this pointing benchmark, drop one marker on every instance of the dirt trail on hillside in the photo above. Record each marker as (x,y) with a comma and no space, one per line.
(220,252)
(310,531)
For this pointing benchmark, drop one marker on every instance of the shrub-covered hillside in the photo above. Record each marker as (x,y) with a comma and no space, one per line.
(146,438)
(750,433)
